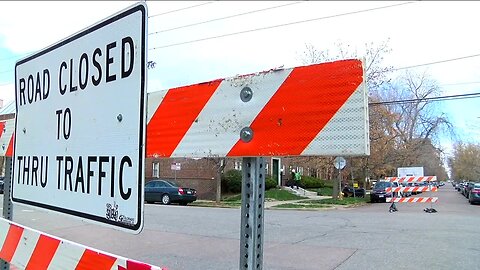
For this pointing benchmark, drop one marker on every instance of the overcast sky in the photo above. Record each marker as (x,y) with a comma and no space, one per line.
(270,35)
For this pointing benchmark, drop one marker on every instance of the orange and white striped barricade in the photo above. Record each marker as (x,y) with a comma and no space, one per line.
(311,110)
(7,129)
(26,248)
(413,179)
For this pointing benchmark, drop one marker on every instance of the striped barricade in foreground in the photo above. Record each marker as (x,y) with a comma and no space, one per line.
(26,248)
(413,200)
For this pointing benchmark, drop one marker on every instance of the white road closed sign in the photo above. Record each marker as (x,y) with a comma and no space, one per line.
(80,123)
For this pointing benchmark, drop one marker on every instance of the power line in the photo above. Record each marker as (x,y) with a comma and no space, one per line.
(440,98)
(155,15)
(251,30)
(438,62)
(6,71)
(224,18)
(280,25)
(461,83)
(180,9)
(11,57)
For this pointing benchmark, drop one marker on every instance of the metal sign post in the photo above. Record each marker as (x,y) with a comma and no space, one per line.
(7,201)
(339,164)
(251,225)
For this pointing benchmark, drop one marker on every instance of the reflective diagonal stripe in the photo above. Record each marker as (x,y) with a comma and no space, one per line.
(9,152)
(25,248)
(43,253)
(10,245)
(335,138)
(66,256)
(7,128)
(177,112)
(30,249)
(2,127)
(94,260)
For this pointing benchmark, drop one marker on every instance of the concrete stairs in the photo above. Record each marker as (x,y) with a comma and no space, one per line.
(301,192)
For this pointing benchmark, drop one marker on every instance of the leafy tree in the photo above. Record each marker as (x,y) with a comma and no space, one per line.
(464,163)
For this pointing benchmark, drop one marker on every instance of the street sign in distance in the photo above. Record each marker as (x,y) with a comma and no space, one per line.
(176,166)
(80,123)
(339,163)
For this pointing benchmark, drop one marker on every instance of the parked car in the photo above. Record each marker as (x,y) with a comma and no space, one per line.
(1,185)
(457,186)
(379,194)
(460,187)
(466,190)
(168,192)
(474,194)
(349,192)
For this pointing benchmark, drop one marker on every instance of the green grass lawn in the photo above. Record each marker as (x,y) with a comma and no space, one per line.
(232,198)
(345,201)
(272,194)
(325,191)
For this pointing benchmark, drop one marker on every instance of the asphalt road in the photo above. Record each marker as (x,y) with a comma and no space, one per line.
(367,237)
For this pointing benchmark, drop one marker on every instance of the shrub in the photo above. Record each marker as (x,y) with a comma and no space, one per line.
(270,183)
(311,182)
(232,181)
(325,191)
(328,184)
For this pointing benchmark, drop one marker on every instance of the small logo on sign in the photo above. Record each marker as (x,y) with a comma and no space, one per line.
(112,211)
(126,220)
(112,214)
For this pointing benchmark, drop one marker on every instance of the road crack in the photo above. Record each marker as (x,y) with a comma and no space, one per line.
(346,259)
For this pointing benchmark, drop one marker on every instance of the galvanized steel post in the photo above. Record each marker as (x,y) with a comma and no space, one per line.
(251,226)
(7,201)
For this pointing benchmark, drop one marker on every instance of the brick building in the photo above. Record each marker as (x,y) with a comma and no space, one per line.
(201,174)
